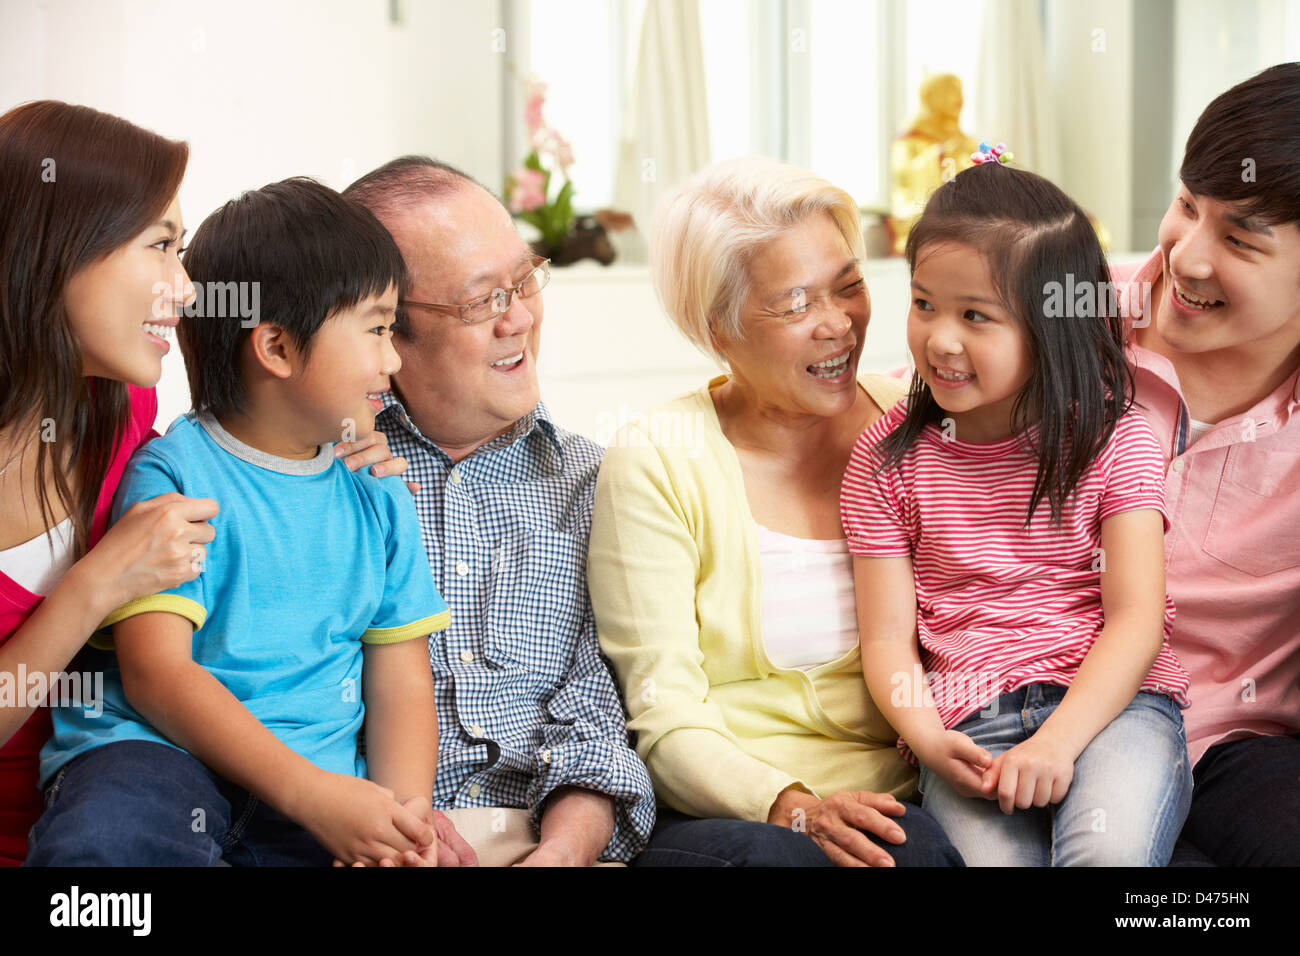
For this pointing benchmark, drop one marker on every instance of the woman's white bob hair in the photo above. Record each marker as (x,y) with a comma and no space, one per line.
(706,233)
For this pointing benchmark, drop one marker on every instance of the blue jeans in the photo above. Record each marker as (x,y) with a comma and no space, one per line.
(1246,805)
(1127,801)
(679,840)
(141,803)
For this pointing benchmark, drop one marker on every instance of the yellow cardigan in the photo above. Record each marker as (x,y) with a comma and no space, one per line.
(675,579)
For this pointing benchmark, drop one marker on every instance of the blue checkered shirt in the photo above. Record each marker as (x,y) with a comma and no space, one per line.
(526,702)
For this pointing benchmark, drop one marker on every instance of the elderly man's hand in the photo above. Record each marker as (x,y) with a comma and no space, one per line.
(452,848)
(373,450)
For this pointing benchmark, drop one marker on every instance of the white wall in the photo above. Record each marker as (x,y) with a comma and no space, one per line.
(265,90)
(1090,61)
(1158,64)
(1217,46)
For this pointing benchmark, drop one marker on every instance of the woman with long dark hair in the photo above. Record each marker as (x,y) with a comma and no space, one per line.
(92,226)
(91,289)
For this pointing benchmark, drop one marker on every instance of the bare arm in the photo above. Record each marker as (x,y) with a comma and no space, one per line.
(576,827)
(886,597)
(157,544)
(401,719)
(353,818)
(891,665)
(48,639)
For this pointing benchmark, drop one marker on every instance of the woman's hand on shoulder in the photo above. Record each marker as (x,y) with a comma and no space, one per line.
(156,545)
(373,450)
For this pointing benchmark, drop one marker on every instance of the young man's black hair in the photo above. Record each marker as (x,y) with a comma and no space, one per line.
(1234,158)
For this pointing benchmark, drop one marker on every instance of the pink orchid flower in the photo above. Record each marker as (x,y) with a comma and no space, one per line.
(535,100)
(526,194)
(549,142)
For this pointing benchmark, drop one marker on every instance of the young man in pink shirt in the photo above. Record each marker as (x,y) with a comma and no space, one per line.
(1216,357)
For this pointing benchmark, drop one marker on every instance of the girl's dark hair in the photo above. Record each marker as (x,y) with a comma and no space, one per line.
(1050,273)
(75,185)
(307,252)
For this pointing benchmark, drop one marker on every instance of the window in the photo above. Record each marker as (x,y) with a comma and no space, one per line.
(823,83)
(574,47)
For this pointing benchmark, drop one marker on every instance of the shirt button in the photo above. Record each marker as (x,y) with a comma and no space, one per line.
(455,477)
(545,755)
(1178,464)
(475,790)
(462,568)
(476,731)
(467,657)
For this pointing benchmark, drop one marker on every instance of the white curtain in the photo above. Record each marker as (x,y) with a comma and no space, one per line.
(666,127)
(1013,92)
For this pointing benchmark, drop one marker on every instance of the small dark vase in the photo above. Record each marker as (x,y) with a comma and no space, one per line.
(587,240)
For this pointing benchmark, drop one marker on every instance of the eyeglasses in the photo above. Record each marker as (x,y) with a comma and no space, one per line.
(497,301)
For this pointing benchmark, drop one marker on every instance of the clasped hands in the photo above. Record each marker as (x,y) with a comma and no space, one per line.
(1033,773)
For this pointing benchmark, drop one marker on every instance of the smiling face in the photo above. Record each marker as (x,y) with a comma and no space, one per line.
(1229,282)
(803,321)
(335,390)
(122,308)
(461,384)
(968,348)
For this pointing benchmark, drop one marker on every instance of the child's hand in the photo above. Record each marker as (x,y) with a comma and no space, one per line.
(361,822)
(421,856)
(958,760)
(1034,773)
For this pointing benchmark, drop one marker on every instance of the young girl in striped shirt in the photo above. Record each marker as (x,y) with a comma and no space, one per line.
(1009,513)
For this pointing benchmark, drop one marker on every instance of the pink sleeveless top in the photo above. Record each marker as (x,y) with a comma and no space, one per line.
(20,801)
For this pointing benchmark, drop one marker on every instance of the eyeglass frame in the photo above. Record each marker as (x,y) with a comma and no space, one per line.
(541,264)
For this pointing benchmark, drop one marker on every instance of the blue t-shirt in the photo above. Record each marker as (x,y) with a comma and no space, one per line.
(309,562)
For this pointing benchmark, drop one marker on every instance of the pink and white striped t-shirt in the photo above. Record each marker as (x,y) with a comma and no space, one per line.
(1000,606)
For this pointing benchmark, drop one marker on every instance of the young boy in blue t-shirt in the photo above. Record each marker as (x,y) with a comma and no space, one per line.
(232,705)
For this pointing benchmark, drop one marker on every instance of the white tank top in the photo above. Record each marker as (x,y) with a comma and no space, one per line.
(31,565)
(809,613)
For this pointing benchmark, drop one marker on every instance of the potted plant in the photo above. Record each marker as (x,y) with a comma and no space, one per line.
(565,237)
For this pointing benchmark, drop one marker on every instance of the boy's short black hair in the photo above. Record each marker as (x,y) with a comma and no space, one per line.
(1245,147)
(310,252)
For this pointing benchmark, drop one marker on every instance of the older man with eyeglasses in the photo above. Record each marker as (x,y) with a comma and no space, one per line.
(534,765)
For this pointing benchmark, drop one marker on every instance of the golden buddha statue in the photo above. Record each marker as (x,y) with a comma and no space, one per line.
(932,151)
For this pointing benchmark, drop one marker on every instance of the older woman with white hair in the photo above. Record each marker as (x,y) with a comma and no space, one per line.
(719,574)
